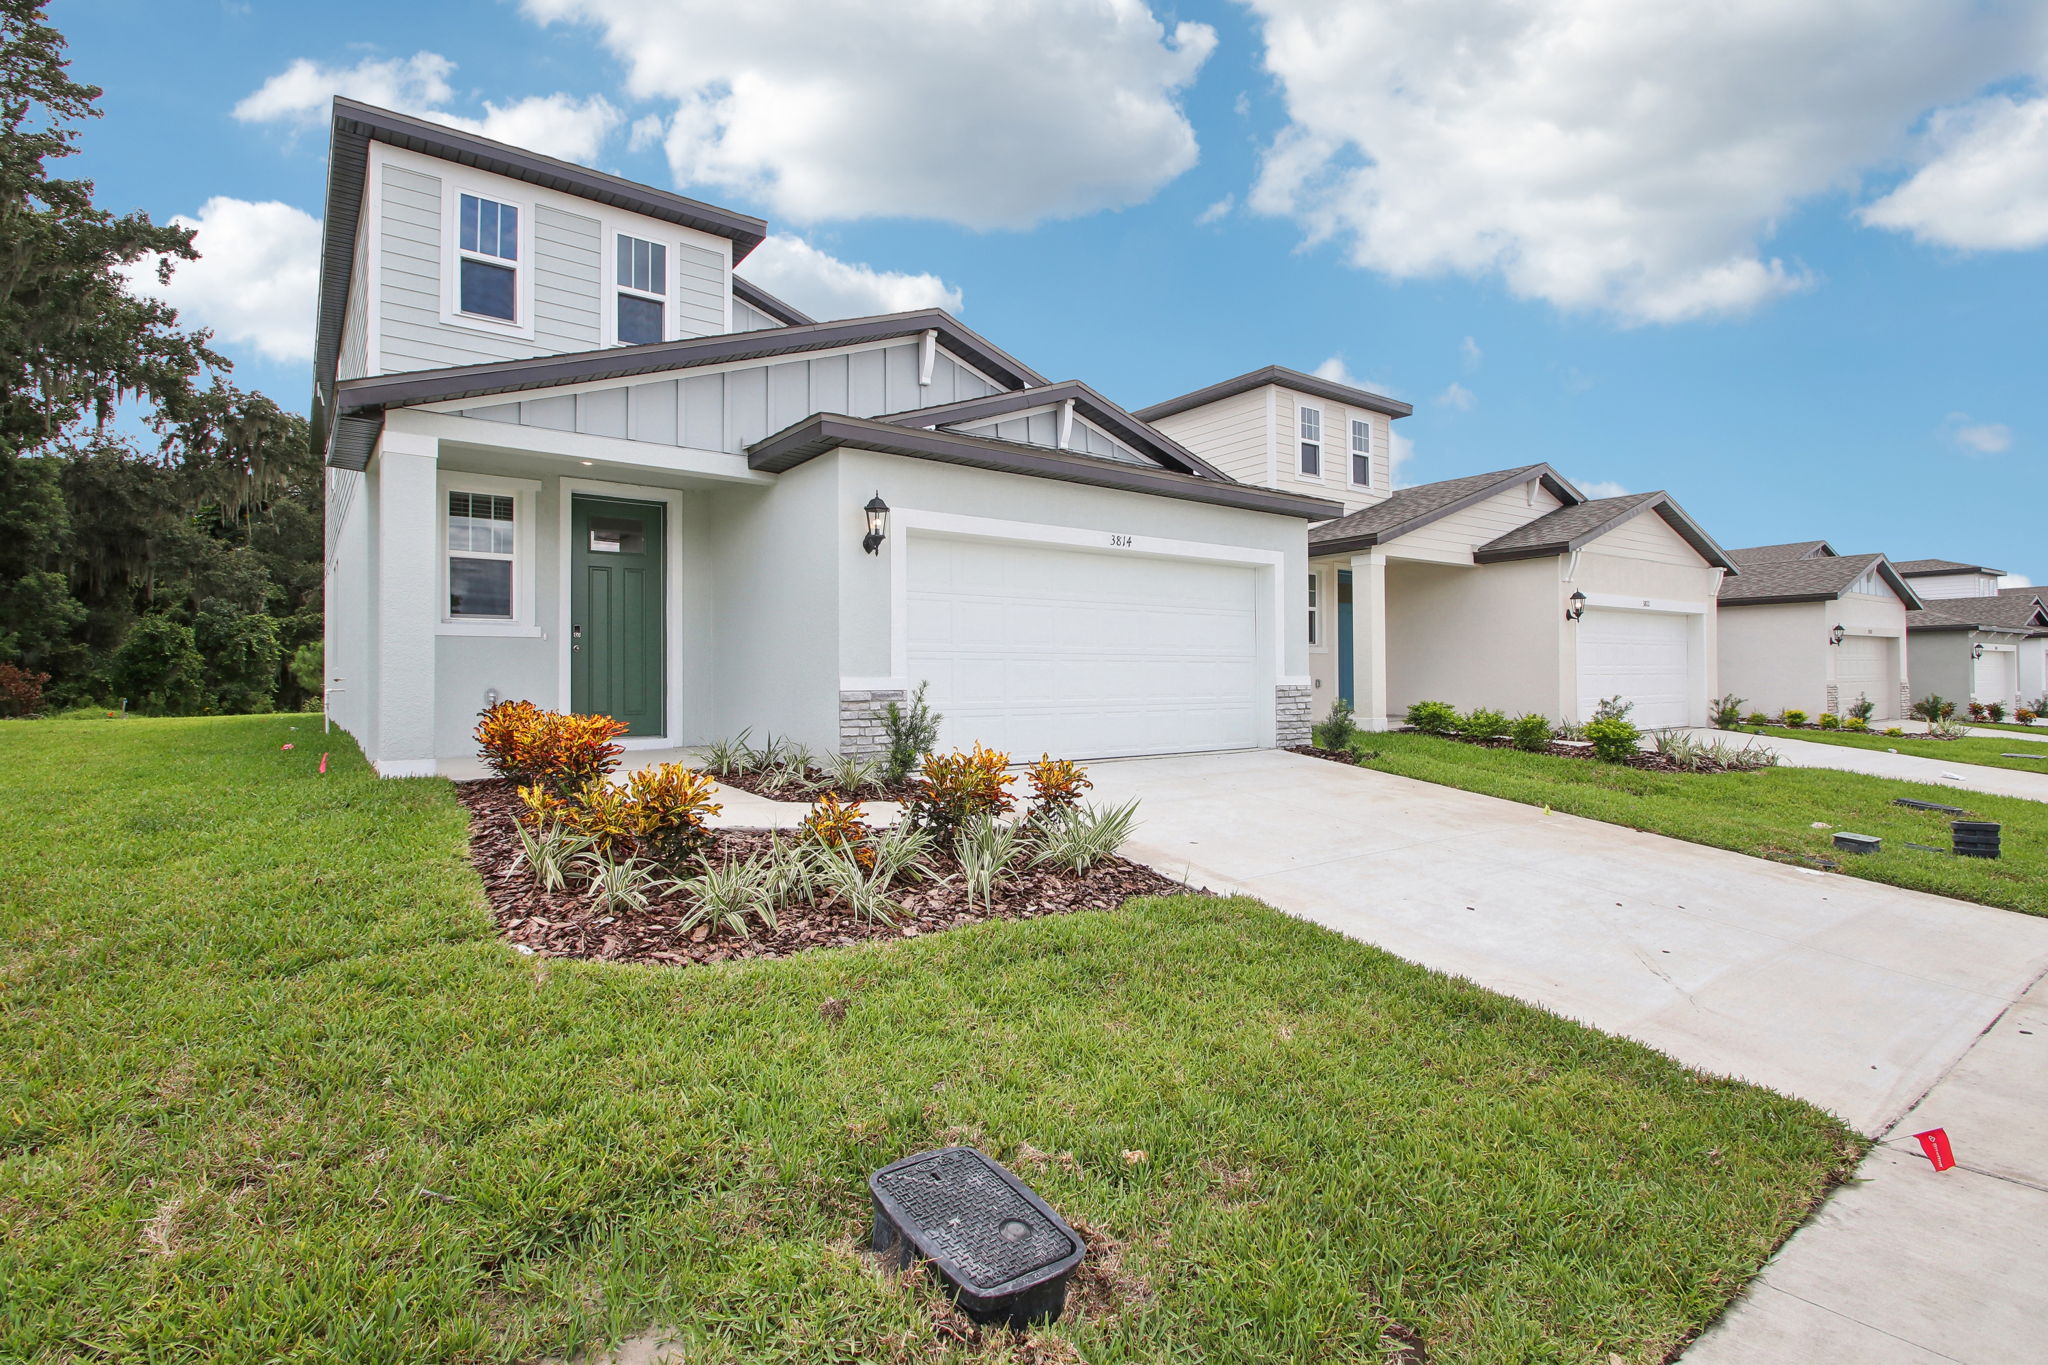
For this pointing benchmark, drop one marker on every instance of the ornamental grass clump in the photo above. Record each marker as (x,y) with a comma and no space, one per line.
(1087,837)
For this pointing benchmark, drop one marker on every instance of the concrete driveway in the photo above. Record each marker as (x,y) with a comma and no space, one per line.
(1851,758)
(1862,998)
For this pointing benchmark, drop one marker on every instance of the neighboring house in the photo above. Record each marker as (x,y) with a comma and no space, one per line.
(1806,628)
(1508,590)
(573,458)
(1974,642)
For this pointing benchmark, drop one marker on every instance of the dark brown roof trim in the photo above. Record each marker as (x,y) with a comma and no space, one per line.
(624,362)
(1286,379)
(1551,480)
(747,292)
(822,433)
(1928,568)
(1662,503)
(1087,402)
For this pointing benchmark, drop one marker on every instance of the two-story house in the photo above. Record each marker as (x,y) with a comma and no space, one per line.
(574,458)
(1509,590)
(1975,641)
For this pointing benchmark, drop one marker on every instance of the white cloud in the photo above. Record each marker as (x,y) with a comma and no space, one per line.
(254,281)
(826,287)
(1469,352)
(1217,211)
(1337,372)
(1400,450)
(988,115)
(1605,154)
(1984,184)
(2015,580)
(1977,438)
(555,125)
(1457,396)
(1600,488)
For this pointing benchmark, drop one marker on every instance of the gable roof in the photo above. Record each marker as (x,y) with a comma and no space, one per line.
(823,432)
(1087,402)
(1410,508)
(1286,379)
(359,404)
(2012,606)
(1777,554)
(1965,613)
(1820,579)
(1922,568)
(357,125)
(1574,526)
(754,296)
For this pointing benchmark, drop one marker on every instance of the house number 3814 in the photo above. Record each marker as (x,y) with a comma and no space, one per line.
(1123,542)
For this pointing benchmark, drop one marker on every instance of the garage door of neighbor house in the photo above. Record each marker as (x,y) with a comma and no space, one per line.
(1085,655)
(1865,670)
(1997,676)
(1645,656)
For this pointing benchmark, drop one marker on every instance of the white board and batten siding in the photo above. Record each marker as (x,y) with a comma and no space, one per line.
(1451,539)
(569,240)
(1032,650)
(747,318)
(733,407)
(1043,429)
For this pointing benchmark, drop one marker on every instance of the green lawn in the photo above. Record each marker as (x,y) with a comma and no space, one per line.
(1988,753)
(1769,813)
(274,1091)
(2007,725)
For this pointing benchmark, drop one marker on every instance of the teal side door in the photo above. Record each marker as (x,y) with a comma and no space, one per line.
(617,648)
(1344,636)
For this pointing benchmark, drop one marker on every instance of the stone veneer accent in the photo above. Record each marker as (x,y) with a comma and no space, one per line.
(1291,722)
(861,729)
(1834,699)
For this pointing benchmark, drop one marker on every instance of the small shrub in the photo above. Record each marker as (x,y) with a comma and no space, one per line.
(1976,710)
(1480,723)
(1614,738)
(21,692)
(1858,724)
(1933,707)
(985,848)
(839,826)
(1893,732)
(1613,708)
(1828,720)
(1433,717)
(912,732)
(1793,717)
(1995,712)
(1727,711)
(1530,732)
(1756,718)
(1056,787)
(1862,709)
(1091,835)
(2026,715)
(562,753)
(666,806)
(952,789)
(1337,729)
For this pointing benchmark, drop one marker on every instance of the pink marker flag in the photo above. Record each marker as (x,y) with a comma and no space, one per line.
(284,746)
(323,764)
(1934,1142)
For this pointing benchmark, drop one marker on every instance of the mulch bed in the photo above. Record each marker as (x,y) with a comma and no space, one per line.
(751,782)
(562,924)
(1348,757)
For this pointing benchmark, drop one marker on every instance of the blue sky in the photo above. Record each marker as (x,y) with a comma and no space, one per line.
(1663,284)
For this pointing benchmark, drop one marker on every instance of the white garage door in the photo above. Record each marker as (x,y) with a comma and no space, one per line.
(1865,670)
(1083,655)
(1644,656)
(1997,677)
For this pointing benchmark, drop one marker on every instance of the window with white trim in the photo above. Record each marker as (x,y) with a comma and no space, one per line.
(1309,422)
(487,258)
(1361,452)
(640,305)
(1315,609)
(482,550)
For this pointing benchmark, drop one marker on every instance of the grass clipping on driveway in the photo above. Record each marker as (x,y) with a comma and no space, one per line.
(1767,813)
(275,1091)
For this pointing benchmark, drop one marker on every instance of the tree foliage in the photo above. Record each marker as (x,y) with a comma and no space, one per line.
(160,530)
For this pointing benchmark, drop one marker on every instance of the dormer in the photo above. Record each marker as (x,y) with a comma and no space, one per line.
(1285,429)
(443,248)
(1932,578)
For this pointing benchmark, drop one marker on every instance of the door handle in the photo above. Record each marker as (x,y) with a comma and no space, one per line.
(576,635)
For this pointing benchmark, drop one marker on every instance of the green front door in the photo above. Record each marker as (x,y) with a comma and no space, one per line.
(616,644)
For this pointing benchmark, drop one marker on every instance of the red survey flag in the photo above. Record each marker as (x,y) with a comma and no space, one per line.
(1934,1142)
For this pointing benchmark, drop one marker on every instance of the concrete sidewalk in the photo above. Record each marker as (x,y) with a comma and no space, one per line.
(1938,772)
(1865,999)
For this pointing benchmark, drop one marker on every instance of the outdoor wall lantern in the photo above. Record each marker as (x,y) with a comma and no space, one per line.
(878,524)
(1577,608)
(1836,635)
(1976,651)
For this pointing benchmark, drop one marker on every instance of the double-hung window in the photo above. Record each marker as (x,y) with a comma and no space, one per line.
(1310,421)
(1315,609)
(642,302)
(1361,452)
(481,547)
(487,261)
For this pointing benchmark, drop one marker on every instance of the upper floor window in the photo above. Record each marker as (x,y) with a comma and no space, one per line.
(480,555)
(1315,609)
(487,283)
(1310,421)
(642,302)
(1361,453)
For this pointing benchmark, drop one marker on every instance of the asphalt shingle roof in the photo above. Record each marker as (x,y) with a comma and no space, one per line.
(1909,568)
(1411,507)
(1557,531)
(1794,580)
(1777,554)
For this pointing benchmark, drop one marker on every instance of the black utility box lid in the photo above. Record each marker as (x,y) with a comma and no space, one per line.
(982,1228)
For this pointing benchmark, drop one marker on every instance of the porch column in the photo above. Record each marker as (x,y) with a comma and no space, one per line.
(1369,639)
(407,609)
